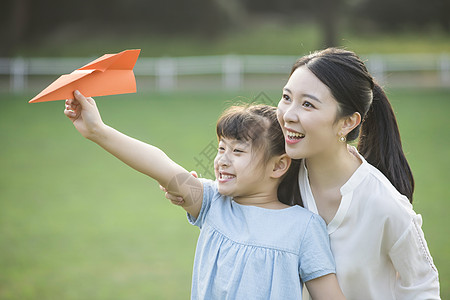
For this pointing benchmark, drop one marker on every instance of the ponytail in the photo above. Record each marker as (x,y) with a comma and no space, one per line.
(289,190)
(381,146)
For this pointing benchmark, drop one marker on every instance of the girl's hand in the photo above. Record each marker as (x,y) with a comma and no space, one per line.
(84,114)
(176,199)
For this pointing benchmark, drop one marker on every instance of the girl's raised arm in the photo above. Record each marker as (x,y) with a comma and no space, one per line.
(140,156)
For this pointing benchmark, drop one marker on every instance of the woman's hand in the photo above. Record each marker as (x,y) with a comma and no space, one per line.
(176,199)
(84,114)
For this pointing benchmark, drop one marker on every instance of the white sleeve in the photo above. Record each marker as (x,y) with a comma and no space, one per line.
(417,276)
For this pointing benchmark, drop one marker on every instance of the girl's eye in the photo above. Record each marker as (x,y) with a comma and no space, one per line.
(238,151)
(221,149)
(286,98)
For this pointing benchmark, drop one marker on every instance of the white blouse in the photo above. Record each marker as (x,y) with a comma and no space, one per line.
(377,240)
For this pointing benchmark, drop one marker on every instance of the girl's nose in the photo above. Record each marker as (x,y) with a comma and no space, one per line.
(223,160)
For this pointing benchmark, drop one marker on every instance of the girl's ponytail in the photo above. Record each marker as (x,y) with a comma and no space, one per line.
(381,145)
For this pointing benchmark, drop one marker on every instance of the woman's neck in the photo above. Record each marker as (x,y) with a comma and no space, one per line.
(333,169)
(327,173)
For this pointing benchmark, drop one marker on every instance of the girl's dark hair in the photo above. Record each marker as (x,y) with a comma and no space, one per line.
(355,91)
(258,124)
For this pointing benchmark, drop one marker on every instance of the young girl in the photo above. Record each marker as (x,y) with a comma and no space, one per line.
(251,245)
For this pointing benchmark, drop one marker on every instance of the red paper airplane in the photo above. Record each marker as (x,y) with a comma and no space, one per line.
(110,74)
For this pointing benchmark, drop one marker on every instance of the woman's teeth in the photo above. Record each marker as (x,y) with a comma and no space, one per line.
(295,135)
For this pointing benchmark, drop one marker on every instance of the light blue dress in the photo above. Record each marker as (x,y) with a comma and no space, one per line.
(248,252)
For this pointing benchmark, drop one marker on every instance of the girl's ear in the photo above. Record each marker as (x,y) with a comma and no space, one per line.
(349,123)
(280,166)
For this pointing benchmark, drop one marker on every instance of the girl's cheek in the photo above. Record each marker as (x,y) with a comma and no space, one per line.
(216,159)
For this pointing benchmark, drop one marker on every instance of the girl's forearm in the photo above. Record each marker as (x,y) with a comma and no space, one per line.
(142,157)
(153,162)
(145,158)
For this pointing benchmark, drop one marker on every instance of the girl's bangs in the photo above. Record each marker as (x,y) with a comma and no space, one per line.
(239,126)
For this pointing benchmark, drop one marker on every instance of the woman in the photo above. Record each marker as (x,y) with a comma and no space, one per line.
(365,194)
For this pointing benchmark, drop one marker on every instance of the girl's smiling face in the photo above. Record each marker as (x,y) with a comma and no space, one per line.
(307,114)
(238,170)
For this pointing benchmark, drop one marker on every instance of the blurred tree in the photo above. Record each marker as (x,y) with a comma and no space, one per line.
(30,21)
(326,13)
(33,20)
(200,17)
(233,10)
(14,21)
(400,14)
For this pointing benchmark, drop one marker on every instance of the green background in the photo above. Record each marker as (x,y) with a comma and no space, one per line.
(75,223)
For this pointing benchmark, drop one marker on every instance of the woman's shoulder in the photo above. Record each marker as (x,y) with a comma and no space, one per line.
(383,200)
(379,185)
(373,183)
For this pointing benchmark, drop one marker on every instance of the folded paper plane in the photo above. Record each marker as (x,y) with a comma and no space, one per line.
(110,74)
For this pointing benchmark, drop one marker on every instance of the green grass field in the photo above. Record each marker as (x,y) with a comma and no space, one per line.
(75,223)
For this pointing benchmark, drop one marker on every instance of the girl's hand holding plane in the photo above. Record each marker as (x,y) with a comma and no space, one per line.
(83,112)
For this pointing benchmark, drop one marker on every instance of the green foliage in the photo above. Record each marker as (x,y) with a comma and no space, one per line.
(75,223)
(263,39)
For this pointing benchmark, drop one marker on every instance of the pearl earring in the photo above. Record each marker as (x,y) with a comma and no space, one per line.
(343,138)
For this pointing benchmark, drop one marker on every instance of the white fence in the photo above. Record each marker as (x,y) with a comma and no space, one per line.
(165,72)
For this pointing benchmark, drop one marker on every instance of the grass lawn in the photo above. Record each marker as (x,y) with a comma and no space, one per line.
(75,223)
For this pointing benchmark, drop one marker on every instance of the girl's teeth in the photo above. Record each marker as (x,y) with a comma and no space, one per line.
(227,176)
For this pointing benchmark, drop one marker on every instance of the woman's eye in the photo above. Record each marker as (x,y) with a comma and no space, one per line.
(221,149)
(286,98)
(308,104)
(238,150)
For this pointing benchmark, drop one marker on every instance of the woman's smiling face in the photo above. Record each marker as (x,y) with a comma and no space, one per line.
(307,114)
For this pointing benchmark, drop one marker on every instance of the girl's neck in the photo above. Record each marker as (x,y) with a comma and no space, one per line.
(264,200)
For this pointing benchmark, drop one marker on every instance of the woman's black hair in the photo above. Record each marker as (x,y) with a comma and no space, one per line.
(354,89)
(258,123)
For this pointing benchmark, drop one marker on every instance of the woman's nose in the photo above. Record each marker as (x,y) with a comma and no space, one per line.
(289,115)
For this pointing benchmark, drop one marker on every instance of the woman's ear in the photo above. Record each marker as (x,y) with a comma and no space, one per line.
(281,165)
(350,123)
